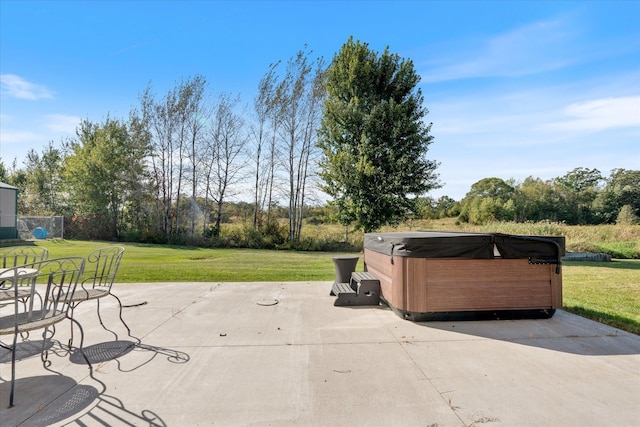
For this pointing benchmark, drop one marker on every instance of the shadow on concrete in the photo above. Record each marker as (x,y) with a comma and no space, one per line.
(563,332)
(25,349)
(75,403)
(59,399)
(614,320)
(37,396)
(103,352)
(114,350)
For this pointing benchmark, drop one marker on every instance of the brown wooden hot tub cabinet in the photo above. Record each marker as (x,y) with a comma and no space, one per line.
(431,275)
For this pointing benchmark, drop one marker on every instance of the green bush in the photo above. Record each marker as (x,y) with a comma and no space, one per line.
(621,250)
(155,237)
(320,245)
(627,216)
(538,228)
(269,236)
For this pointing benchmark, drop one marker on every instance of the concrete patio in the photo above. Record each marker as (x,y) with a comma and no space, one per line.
(280,354)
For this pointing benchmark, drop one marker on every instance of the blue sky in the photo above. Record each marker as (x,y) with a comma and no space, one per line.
(514,89)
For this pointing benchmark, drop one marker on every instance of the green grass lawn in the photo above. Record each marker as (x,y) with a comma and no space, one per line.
(608,292)
(161,263)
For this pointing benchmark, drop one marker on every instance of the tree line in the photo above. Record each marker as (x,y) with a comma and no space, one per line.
(355,130)
(582,196)
(170,169)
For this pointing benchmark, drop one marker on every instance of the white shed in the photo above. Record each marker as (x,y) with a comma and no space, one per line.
(8,211)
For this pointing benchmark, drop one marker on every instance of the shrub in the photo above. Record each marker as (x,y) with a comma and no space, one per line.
(627,216)
(149,236)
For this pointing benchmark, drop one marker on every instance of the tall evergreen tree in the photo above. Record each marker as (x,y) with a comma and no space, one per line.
(373,138)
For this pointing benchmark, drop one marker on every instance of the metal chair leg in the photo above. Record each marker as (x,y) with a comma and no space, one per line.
(71,308)
(101,322)
(84,356)
(121,318)
(44,354)
(13,368)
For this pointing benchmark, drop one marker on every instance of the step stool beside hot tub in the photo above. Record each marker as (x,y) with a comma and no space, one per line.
(435,275)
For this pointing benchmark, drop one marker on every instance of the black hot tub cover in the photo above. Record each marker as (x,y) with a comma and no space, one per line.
(453,244)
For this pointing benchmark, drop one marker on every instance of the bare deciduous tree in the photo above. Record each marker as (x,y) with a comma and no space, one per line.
(265,128)
(175,125)
(299,102)
(227,143)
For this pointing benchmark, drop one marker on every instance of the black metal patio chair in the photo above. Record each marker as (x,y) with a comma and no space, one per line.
(97,282)
(55,280)
(13,256)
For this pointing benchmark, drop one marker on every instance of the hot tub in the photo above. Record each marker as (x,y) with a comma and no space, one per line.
(436,275)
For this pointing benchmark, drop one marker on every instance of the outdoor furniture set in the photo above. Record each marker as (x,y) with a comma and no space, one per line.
(38,293)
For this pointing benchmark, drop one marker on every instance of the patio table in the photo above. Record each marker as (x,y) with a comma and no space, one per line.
(9,274)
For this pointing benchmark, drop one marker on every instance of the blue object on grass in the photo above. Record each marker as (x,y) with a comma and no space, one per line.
(39,233)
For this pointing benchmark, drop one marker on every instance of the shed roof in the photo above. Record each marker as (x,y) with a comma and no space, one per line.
(10,187)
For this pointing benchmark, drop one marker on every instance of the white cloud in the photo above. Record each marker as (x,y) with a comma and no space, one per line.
(539,130)
(62,123)
(16,140)
(599,114)
(53,126)
(533,48)
(18,137)
(16,87)
(15,143)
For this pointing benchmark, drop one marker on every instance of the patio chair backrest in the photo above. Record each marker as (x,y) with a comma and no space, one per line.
(101,267)
(12,256)
(55,281)
(52,284)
